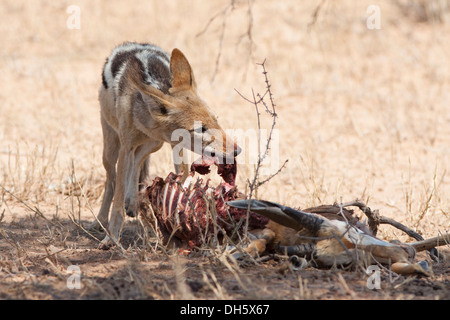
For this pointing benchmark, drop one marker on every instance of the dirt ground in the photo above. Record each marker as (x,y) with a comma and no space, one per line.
(362,113)
(38,257)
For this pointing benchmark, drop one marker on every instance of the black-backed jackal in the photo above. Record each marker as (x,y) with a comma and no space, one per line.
(145,96)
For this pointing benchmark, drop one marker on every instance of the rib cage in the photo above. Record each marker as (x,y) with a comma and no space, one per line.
(186,210)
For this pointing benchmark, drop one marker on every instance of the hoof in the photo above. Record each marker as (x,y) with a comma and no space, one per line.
(131,210)
(407,268)
(298,263)
(131,213)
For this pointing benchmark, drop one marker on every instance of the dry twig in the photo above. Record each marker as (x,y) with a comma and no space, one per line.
(375,219)
(229,8)
(270,107)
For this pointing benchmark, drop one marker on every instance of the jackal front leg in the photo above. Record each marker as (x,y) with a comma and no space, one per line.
(134,173)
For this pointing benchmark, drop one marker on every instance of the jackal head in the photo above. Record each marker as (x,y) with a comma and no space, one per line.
(181,116)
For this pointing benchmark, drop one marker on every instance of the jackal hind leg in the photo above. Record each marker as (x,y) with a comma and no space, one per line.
(111,146)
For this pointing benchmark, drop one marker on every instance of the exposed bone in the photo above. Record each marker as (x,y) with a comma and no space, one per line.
(182,210)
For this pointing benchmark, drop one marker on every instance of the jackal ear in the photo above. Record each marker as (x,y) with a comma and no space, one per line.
(182,75)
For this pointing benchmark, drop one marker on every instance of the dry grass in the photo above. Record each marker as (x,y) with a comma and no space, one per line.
(362,114)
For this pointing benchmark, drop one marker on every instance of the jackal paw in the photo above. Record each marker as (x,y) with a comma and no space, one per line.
(131,208)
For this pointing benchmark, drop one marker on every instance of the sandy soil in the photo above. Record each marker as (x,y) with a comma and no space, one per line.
(362,114)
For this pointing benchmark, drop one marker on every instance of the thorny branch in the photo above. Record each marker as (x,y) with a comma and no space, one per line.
(260,183)
(269,106)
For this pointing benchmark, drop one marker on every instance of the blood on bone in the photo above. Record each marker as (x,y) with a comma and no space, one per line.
(188,216)
(227,171)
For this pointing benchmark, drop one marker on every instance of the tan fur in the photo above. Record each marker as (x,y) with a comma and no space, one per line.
(132,131)
(283,235)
